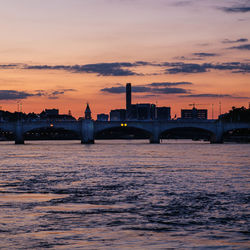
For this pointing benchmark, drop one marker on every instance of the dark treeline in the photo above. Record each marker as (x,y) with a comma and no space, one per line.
(236,115)
(15,116)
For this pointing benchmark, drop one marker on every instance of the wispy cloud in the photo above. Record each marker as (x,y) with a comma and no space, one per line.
(168,84)
(177,68)
(9,66)
(188,58)
(236,9)
(182,3)
(14,95)
(205,54)
(241,40)
(151,88)
(146,96)
(191,68)
(213,96)
(196,56)
(101,69)
(20,95)
(127,68)
(241,47)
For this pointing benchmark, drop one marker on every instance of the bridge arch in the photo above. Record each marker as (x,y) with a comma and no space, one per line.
(188,132)
(122,131)
(191,130)
(50,132)
(6,134)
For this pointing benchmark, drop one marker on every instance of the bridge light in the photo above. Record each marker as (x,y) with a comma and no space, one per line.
(51,125)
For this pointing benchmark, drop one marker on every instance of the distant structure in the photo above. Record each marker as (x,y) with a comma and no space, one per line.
(102,117)
(145,111)
(49,114)
(137,112)
(87,112)
(163,113)
(194,113)
(128,100)
(117,115)
(52,112)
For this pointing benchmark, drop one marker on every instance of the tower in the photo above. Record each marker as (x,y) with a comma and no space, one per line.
(87,113)
(128,99)
(128,96)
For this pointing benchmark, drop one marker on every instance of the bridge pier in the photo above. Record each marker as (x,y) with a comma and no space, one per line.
(87,133)
(216,138)
(19,138)
(155,138)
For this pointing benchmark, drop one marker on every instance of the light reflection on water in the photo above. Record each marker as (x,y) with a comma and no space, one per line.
(124,194)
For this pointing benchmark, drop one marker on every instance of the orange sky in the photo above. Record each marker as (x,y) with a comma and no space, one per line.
(204,43)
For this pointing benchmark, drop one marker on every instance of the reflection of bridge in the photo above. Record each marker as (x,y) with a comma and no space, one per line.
(88,129)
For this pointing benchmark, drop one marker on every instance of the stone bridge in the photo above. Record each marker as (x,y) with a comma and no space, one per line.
(88,129)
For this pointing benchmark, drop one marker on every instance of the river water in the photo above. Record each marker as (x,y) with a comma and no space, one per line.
(124,195)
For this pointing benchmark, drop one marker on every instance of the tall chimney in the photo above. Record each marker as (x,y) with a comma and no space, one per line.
(128,100)
(128,96)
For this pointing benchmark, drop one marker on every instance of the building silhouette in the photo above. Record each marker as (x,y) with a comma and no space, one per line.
(163,113)
(87,112)
(128,100)
(194,114)
(118,115)
(102,117)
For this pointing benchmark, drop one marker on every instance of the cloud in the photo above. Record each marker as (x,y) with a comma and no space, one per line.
(168,84)
(191,68)
(169,90)
(14,95)
(151,88)
(156,89)
(241,47)
(115,90)
(213,96)
(236,9)
(186,58)
(146,96)
(102,69)
(203,54)
(143,63)
(182,3)
(186,68)
(241,40)
(53,94)
(122,89)
(20,95)
(196,56)
(107,69)
(8,66)
(124,68)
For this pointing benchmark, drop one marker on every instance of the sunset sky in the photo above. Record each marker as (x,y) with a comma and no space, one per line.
(64,53)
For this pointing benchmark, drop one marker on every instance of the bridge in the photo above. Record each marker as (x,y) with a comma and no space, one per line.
(88,129)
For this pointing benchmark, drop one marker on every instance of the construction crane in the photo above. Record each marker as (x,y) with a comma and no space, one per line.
(195,104)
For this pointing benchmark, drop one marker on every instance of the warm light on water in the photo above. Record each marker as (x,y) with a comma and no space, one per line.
(124,195)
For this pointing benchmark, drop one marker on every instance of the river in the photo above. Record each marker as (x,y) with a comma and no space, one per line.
(124,195)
